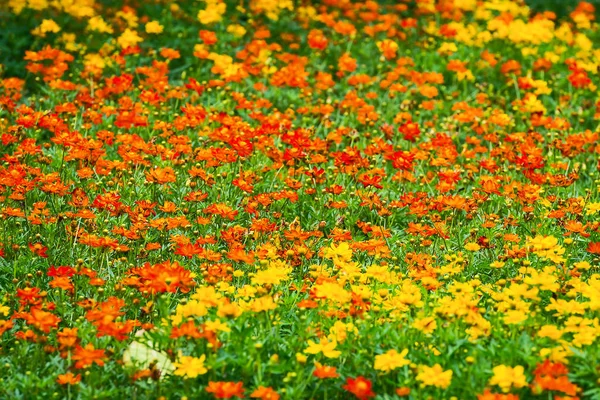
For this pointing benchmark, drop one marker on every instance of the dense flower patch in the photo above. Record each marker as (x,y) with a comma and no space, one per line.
(292,199)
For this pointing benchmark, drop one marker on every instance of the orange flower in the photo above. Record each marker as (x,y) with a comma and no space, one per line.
(161,175)
(226,390)
(43,320)
(87,356)
(346,63)
(360,387)
(265,393)
(67,338)
(324,371)
(593,247)
(68,379)
(38,249)
(317,40)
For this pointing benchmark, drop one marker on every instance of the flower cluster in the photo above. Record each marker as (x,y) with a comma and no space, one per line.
(319,199)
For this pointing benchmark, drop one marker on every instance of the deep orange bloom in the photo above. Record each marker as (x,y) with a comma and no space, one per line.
(325,371)
(265,393)
(593,247)
(43,320)
(226,390)
(87,356)
(360,387)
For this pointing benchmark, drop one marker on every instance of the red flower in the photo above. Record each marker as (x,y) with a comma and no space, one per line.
(593,247)
(39,249)
(360,387)
(410,131)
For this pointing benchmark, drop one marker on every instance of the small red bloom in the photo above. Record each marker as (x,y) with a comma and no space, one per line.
(593,247)
(360,387)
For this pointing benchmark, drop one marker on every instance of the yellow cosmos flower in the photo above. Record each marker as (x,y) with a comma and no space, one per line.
(426,325)
(391,360)
(326,347)
(190,367)
(154,27)
(507,377)
(434,376)
(129,38)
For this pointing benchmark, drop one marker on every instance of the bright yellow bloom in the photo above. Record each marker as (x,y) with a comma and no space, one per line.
(213,13)
(216,326)
(471,246)
(507,377)
(426,325)
(129,38)
(341,252)
(391,360)
(325,346)
(97,24)
(190,367)
(154,27)
(49,25)
(236,30)
(434,376)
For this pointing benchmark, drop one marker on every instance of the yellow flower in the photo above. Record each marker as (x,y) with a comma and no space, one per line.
(582,265)
(154,27)
(391,360)
(99,25)
(129,38)
(216,326)
(434,376)
(49,25)
(4,310)
(592,208)
(325,346)
(471,246)
(37,4)
(190,367)
(426,325)
(507,377)
(236,30)
(332,291)
(550,331)
(276,272)
(341,252)
(213,13)
(448,48)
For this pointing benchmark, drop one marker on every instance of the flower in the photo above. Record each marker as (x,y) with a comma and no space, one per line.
(265,393)
(360,387)
(326,346)
(68,379)
(226,390)
(129,38)
(324,371)
(154,27)
(213,13)
(507,377)
(426,325)
(391,360)
(472,246)
(87,356)
(190,367)
(434,376)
